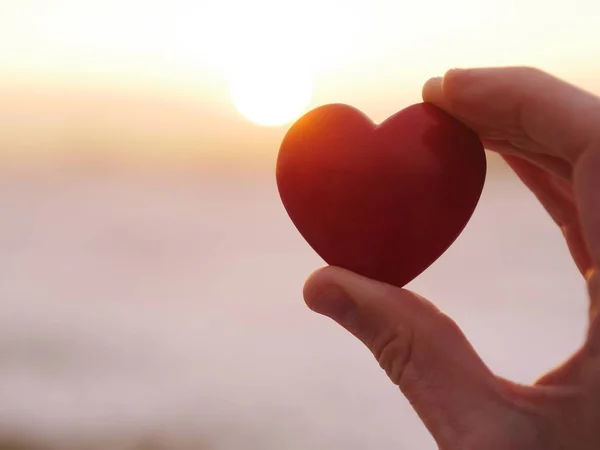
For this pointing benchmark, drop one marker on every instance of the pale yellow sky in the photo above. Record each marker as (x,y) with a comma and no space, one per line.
(374,54)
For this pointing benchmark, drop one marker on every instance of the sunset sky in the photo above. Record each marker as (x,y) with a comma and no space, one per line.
(195,77)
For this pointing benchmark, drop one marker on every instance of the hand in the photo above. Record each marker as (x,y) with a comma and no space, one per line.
(549,133)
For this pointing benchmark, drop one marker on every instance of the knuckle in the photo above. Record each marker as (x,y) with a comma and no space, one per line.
(393,350)
(446,325)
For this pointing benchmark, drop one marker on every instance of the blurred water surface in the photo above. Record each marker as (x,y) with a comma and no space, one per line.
(149,309)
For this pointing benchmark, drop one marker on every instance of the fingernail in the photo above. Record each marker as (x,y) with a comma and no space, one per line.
(593,338)
(432,90)
(454,70)
(592,277)
(333,302)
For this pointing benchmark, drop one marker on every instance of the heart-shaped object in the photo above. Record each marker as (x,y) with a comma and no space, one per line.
(384,201)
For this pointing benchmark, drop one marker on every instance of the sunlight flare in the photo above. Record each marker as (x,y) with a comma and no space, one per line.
(271,97)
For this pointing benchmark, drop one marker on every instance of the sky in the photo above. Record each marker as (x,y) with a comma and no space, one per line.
(157,79)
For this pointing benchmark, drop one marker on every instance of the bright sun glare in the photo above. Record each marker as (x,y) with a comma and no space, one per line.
(271,98)
(270,51)
(271,57)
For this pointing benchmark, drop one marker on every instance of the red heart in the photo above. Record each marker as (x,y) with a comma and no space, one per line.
(384,201)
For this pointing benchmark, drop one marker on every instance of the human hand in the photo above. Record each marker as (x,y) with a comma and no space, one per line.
(549,133)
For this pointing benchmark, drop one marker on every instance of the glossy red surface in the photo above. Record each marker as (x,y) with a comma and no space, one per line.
(383,201)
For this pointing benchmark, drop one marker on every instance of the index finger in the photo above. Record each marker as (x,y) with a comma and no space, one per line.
(532,110)
(541,118)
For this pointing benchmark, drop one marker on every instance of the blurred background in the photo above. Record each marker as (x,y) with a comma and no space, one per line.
(150,280)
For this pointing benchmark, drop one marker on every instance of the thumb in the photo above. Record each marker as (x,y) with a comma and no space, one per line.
(422,350)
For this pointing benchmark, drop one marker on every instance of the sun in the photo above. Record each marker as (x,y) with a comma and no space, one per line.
(271,96)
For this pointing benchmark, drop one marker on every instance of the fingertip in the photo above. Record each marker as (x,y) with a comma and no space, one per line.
(433,90)
(326,278)
(325,293)
(315,284)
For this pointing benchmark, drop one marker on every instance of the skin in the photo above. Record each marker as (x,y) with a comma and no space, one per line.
(549,133)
